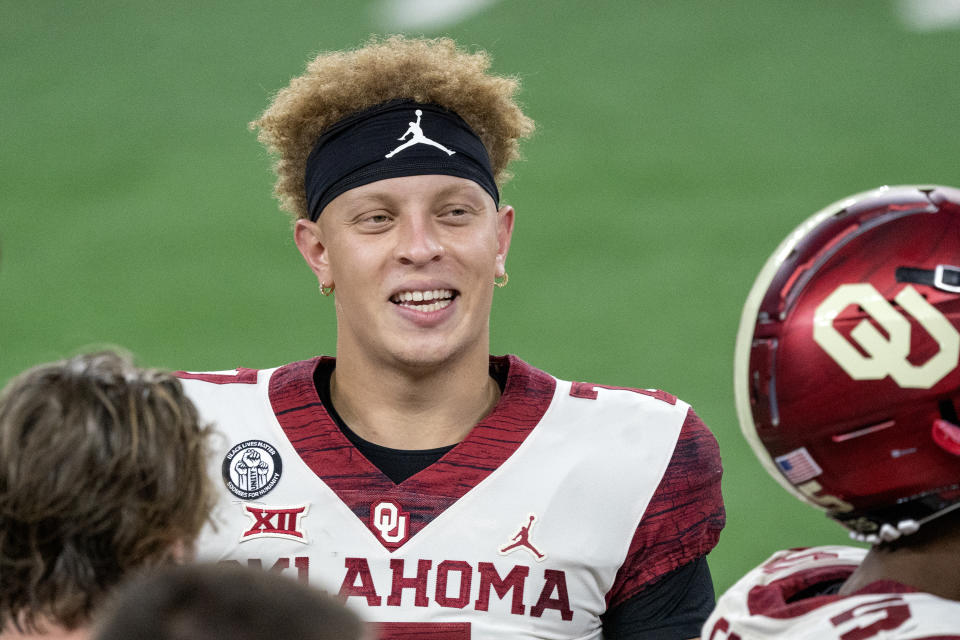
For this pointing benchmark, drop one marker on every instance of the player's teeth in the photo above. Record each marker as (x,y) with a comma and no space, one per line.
(433,306)
(423,296)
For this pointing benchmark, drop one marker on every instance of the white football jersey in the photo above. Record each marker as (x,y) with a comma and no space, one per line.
(568,498)
(761,605)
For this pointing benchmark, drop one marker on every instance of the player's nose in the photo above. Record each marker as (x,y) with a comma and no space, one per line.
(418,241)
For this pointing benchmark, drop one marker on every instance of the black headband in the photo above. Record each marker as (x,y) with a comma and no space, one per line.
(391,140)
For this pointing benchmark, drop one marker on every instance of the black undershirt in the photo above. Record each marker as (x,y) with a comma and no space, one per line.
(827,588)
(673,608)
(396,464)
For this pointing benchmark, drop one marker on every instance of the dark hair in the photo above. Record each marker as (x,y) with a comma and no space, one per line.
(207,601)
(102,470)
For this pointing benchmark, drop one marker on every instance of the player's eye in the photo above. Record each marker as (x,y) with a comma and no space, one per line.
(455,214)
(374,220)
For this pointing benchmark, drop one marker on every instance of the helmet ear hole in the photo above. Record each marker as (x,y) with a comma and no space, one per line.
(947,436)
(948,411)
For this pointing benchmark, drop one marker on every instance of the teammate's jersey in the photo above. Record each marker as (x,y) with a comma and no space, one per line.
(778,600)
(567,499)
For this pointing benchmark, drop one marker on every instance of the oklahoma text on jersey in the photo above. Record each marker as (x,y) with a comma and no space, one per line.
(567,499)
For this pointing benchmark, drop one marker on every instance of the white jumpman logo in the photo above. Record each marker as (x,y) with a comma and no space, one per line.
(417,138)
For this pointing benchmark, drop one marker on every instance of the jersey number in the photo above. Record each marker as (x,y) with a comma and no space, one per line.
(721,631)
(862,622)
(589,391)
(242,376)
(872,617)
(427,630)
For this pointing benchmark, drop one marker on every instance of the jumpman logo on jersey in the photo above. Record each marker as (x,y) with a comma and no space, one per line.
(417,137)
(522,541)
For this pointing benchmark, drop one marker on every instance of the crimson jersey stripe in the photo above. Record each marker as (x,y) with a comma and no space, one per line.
(684,517)
(358,483)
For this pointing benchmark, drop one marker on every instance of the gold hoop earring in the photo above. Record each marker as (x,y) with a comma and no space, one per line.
(501,283)
(325,290)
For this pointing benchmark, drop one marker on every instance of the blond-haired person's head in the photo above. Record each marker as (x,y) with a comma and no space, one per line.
(339,84)
(102,471)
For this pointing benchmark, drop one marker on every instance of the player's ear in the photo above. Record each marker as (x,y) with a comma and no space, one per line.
(309,239)
(505,217)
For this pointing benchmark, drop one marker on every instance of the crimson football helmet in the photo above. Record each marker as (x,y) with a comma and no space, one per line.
(845,373)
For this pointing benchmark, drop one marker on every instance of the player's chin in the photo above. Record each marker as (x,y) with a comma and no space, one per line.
(427,353)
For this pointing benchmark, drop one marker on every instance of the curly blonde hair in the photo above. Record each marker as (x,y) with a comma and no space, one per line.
(340,83)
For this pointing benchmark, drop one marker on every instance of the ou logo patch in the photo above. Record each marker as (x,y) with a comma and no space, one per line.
(390,522)
(886,357)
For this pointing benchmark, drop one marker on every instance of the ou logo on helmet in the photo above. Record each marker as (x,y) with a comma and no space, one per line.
(886,357)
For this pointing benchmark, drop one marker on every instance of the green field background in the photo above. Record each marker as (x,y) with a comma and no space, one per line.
(678,142)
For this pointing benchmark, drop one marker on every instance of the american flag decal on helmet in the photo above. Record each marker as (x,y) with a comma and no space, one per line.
(798,466)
